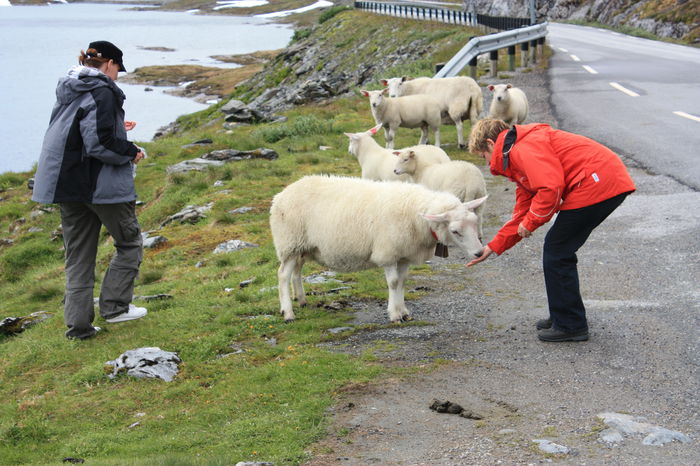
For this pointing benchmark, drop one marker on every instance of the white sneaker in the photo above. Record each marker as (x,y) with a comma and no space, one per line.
(132,314)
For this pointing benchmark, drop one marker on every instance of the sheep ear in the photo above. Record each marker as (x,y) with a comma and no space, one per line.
(364,93)
(397,153)
(404,79)
(384,82)
(412,154)
(350,135)
(471,205)
(385,91)
(509,85)
(439,218)
(491,87)
(374,130)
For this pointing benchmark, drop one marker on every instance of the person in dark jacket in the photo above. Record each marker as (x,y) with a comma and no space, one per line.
(87,167)
(555,172)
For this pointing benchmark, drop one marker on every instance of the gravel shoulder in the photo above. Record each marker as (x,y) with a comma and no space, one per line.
(639,277)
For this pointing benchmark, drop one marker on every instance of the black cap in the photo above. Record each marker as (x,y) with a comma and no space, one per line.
(108,50)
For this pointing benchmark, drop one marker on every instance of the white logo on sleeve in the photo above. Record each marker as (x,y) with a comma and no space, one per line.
(595,177)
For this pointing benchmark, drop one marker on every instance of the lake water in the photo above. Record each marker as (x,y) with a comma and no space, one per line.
(38,44)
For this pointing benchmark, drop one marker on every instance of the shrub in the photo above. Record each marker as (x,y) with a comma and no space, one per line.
(331,12)
(302,126)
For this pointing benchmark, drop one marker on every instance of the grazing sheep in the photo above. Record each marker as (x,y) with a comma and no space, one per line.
(377,163)
(459,97)
(463,179)
(509,104)
(415,111)
(351,224)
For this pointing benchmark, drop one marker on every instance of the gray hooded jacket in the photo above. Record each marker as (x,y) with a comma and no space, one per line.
(85,156)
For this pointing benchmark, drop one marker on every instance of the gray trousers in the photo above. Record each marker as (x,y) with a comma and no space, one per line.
(81,233)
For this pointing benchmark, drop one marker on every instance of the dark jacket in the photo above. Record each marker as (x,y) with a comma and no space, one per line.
(85,156)
(553,170)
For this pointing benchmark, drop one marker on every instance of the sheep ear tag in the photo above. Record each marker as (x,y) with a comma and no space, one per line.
(440,249)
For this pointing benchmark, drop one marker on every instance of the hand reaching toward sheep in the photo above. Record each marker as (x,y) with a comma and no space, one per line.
(485,253)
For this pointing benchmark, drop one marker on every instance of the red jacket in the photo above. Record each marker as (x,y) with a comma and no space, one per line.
(554,170)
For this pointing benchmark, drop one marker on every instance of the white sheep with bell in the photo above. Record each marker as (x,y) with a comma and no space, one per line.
(508,104)
(458,177)
(460,97)
(377,163)
(414,111)
(351,224)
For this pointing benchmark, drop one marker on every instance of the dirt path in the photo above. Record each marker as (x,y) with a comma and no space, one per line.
(639,273)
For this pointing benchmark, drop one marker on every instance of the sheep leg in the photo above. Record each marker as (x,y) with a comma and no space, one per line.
(284,274)
(423,134)
(389,134)
(395,277)
(297,284)
(460,132)
(436,132)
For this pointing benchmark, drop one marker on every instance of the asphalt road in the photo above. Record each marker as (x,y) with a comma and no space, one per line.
(638,96)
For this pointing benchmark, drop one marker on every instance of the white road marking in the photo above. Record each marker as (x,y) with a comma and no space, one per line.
(624,89)
(687,115)
(562,50)
(589,69)
(575,58)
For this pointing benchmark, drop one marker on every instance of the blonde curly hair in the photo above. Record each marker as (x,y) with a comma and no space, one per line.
(487,128)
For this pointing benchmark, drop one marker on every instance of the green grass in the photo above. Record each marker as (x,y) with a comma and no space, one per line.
(268,403)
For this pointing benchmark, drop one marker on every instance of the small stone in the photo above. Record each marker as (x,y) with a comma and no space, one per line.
(550,447)
(337,330)
(233,245)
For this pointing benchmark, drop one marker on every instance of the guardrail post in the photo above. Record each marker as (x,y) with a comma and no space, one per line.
(523,54)
(540,47)
(473,68)
(511,58)
(533,50)
(493,55)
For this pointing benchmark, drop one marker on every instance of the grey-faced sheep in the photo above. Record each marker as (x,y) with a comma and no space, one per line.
(415,111)
(460,97)
(508,104)
(377,163)
(458,177)
(351,224)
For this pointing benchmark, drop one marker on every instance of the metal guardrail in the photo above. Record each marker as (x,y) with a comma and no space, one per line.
(417,11)
(489,43)
(426,11)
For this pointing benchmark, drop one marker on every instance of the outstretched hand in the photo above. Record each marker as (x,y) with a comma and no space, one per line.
(129,125)
(485,253)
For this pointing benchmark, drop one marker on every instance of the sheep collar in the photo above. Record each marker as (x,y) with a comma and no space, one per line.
(440,248)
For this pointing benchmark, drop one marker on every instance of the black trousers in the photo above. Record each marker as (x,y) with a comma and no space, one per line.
(570,231)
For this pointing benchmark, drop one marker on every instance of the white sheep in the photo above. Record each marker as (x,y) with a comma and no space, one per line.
(460,97)
(458,177)
(508,104)
(351,224)
(415,111)
(377,163)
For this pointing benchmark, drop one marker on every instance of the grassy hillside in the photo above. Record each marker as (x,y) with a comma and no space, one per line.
(250,386)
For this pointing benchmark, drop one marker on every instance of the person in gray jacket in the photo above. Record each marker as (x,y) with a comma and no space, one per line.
(87,167)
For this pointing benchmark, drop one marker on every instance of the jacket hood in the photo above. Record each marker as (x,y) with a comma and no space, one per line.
(81,79)
(500,158)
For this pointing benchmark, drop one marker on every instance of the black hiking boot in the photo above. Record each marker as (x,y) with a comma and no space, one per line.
(552,334)
(543,323)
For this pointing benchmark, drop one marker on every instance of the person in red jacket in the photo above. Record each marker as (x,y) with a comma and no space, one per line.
(555,172)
